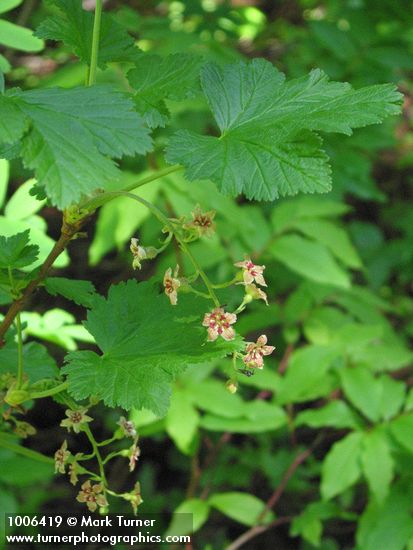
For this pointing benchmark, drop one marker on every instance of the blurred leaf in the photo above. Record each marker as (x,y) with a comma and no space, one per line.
(402,430)
(182,420)
(22,204)
(377,463)
(341,466)
(13,36)
(199,510)
(388,525)
(309,259)
(336,414)
(4,180)
(241,507)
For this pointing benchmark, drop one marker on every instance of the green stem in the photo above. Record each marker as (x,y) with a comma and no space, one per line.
(95,448)
(100,200)
(166,222)
(95,43)
(52,391)
(18,449)
(227,284)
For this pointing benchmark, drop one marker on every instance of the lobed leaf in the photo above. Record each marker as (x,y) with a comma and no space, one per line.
(267,147)
(145,343)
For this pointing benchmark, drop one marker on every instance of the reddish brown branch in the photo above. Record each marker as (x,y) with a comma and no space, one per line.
(274,498)
(67,234)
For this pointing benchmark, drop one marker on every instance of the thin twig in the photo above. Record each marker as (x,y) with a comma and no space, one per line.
(274,498)
(67,234)
(257,530)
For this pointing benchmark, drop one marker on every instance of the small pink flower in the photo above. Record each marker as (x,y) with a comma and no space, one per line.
(171,284)
(252,272)
(255,352)
(219,323)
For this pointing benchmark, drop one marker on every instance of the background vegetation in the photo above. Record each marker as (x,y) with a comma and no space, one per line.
(324,434)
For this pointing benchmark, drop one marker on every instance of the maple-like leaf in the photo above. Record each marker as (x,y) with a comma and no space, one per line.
(71,135)
(267,146)
(145,343)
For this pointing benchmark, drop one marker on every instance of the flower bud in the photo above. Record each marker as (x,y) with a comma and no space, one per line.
(15,397)
(231,386)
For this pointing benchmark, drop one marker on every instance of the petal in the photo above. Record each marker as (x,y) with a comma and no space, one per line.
(231,318)
(260,279)
(248,278)
(267,350)
(262,340)
(228,333)
(212,334)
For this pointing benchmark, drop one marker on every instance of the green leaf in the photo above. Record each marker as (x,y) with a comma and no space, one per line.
(22,204)
(336,414)
(13,36)
(145,343)
(333,237)
(341,467)
(309,259)
(266,146)
(74,27)
(37,362)
(375,397)
(182,420)
(377,463)
(402,430)
(72,134)
(213,397)
(13,122)
(8,5)
(199,509)
(307,375)
(241,507)
(16,252)
(156,79)
(4,179)
(80,292)
(309,523)
(389,525)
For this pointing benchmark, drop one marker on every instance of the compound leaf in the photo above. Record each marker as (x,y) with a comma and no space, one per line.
(267,146)
(145,343)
